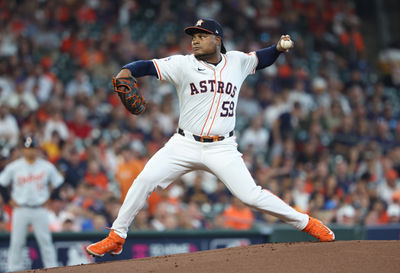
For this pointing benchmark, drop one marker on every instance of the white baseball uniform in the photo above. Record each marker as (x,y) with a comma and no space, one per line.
(208,97)
(30,190)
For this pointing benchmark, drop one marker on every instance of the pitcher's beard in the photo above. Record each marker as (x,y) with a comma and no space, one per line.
(205,56)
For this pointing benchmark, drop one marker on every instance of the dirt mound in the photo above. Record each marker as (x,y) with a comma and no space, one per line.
(340,256)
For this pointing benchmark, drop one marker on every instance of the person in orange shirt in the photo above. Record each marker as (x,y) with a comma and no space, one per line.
(128,170)
(238,216)
(94,176)
(377,215)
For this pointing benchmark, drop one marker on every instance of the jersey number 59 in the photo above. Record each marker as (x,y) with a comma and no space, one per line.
(228,108)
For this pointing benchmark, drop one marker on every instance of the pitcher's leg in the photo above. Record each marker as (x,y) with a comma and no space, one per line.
(230,168)
(163,168)
(20,223)
(177,157)
(43,237)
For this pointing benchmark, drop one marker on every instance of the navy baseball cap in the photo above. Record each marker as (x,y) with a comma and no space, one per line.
(30,141)
(208,26)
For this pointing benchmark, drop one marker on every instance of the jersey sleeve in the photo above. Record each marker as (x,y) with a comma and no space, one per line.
(248,61)
(170,68)
(56,179)
(6,176)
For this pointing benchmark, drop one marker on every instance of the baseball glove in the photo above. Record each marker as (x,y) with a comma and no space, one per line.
(128,92)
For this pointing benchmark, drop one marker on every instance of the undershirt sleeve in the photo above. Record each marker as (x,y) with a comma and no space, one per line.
(141,68)
(267,56)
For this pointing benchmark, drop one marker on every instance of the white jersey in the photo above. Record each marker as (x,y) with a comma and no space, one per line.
(30,182)
(208,97)
(207,94)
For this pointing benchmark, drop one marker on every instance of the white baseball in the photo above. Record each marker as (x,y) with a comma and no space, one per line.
(286,44)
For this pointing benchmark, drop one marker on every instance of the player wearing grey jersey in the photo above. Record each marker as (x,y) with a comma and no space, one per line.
(31,179)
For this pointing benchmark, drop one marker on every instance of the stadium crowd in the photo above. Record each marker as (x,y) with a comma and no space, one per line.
(319,128)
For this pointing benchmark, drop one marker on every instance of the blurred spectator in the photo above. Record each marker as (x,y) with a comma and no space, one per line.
(79,85)
(191,217)
(58,215)
(111,209)
(141,221)
(5,216)
(208,9)
(128,169)
(280,105)
(346,215)
(166,116)
(6,88)
(99,223)
(71,221)
(22,96)
(88,198)
(334,117)
(255,136)
(218,222)
(345,179)
(238,216)
(196,192)
(55,123)
(299,94)
(300,194)
(377,215)
(164,218)
(9,131)
(95,176)
(393,213)
(79,126)
(321,96)
(158,196)
(40,84)
(68,225)
(72,166)
(389,61)
(387,187)
(52,147)
(248,106)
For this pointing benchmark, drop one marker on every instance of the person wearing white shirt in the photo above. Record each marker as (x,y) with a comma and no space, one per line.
(22,96)
(388,186)
(80,84)
(9,130)
(55,124)
(256,136)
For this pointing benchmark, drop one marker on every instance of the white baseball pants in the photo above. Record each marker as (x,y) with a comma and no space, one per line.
(39,219)
(181,155)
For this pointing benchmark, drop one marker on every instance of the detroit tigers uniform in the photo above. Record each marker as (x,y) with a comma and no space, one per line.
(30,190)
(205,140)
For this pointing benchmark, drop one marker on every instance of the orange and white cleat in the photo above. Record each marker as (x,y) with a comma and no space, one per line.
(317,229)
(112,244)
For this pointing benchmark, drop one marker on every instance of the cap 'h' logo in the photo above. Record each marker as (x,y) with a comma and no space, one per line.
(200,22)
(28,142)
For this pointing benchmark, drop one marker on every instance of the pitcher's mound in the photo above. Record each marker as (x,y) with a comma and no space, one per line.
(340,256)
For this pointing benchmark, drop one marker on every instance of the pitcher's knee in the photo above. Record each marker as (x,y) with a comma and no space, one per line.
(147,179)
(251,197)
(248,200)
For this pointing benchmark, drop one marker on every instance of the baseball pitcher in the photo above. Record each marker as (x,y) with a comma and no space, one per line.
(208,84)
(31,179)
